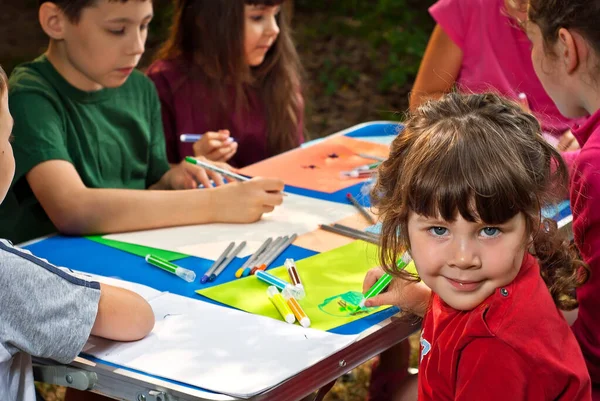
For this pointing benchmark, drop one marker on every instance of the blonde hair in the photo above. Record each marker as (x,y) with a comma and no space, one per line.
(481,156)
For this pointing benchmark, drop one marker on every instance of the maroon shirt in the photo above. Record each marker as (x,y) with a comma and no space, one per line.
(516,345)
(189,107)
(585,205)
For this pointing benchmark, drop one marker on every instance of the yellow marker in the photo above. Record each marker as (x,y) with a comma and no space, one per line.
(296,308)
(280,304)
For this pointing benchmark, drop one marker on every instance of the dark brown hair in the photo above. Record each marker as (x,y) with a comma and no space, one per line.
(483,157)
(581,16)
(208,36)
(3,81)
(72,8)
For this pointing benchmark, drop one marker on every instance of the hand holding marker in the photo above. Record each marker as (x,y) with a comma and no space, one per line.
(384,280)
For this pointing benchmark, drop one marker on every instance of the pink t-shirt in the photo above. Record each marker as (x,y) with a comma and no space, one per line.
(189,107)
(496,56)
(585,204)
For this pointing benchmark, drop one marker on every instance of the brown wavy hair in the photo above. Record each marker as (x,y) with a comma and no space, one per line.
(481,156)
(208,36)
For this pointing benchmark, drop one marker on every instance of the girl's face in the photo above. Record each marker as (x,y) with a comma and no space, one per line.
(7,160)
(465,262)
(261,31)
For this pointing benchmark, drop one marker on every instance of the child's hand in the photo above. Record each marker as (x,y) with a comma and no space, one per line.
(189,176)
(411,296)
(567,142)
(216,146)
(245,202)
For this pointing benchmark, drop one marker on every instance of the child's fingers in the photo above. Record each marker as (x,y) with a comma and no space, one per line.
(198,174)
(385,298)
(371,278)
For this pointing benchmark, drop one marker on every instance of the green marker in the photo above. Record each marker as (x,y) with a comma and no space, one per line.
(384,280)
(186,274)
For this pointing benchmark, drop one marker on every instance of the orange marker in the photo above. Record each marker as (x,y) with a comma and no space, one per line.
(296,308)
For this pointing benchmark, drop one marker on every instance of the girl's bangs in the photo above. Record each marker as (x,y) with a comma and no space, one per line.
(481,186)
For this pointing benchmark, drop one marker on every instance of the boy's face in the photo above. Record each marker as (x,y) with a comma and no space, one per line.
(465,262)
(107,42)
(7,160)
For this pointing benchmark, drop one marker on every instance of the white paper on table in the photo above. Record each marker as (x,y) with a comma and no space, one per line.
(298,214)
(148,293)
(220,349)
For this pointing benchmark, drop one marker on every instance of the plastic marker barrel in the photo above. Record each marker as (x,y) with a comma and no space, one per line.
(187,275)
(282,306)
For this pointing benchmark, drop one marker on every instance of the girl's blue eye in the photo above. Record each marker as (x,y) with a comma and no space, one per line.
(490,231)
(256,18)
(438,231)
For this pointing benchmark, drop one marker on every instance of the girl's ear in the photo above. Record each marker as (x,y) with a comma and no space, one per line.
(568,50)
(52,20)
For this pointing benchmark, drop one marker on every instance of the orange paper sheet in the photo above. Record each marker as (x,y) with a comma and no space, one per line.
(318,167)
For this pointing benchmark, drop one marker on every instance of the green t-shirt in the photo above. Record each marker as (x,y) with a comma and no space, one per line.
(113,137)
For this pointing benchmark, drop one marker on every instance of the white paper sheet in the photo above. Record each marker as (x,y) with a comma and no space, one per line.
(298,214)
(220,349)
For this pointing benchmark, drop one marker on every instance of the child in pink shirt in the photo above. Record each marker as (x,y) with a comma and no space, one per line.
(479,46)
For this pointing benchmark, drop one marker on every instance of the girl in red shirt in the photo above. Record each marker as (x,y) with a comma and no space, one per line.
(462,191)
(230,71)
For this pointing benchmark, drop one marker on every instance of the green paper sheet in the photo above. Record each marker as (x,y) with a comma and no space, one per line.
(137,249)
(333,282)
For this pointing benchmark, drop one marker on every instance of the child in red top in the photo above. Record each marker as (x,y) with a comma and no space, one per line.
(230,70)
(462,192)
(566,56)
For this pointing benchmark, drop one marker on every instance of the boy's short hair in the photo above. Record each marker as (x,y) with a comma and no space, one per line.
(72,8)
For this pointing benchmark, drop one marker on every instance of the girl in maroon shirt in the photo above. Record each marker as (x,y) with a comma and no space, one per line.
(566,56)
(462,191)
(229,71)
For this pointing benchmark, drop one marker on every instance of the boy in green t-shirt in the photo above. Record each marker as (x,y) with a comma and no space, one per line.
(88,136)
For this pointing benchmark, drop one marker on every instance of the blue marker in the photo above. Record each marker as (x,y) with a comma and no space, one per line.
(270,279)
(186,138)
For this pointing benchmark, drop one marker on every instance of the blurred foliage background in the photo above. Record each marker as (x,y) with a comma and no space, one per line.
(360,57)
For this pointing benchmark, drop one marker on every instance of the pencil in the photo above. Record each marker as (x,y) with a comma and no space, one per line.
(360,208)
(264,245)
(354,230)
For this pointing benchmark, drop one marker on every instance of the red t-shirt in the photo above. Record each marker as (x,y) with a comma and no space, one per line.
(514,346)
(585,205)
(189,107)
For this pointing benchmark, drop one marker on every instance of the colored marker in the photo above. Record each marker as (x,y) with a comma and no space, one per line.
(360,208)
(187,138)
(293,272)
(277,251)
(296,308)
(372,157)
(227,261)
(186,274)
(208,166)
(368,167)
(358,174)
(384,280)
(216,264)
(350,234)
(279,283)
(256,263)
(252,257)
(282,306)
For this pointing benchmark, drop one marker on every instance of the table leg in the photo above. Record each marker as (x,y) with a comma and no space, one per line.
(323,391)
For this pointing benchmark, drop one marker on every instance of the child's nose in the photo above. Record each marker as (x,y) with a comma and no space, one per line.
(465,255)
